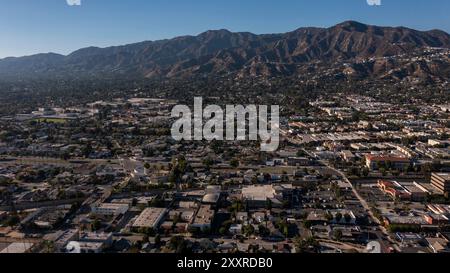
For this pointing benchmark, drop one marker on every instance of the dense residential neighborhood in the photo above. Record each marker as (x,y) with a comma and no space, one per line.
(225,136)
(353,174)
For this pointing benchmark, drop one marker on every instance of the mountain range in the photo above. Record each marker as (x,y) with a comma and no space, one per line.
(349,48)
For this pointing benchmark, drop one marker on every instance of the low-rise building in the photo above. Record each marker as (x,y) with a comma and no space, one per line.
(211,198)
(417,192)
(437,219)
(439,209)
(409,238)
(394,189)
(438,245)
(298,161)
(187,205)
(85,247)
(185,215)
(441,181)
(17,248)
(150,218)
(110,209)
(46,218)
(373,162)
(410,220)
(204,218)
(260,196)
(63,238)
(90,242)
(104,237)
(404,191)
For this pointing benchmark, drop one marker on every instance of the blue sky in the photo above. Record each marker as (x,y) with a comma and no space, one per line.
(34,26)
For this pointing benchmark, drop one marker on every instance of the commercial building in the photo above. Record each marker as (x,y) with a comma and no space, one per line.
(17,248)
(438,245)
(410,220)
(394,189)
(441,181)
(90,242)
(439,209)
(404,191)
(150,218)
(96,237)
(107,209)
(204,218)
(211,198)
(46,218)
(417,192)
(373,162)
(185,215)
(63,238)
(437,219)
(259,196)
(409,238)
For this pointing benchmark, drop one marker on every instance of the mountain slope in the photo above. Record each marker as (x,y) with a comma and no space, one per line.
(222,52)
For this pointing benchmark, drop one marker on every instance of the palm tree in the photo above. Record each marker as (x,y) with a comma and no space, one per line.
(49,246)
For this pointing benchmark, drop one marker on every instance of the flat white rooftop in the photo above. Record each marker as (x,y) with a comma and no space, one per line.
(17,248)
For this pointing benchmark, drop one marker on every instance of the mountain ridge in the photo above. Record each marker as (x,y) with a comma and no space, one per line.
(222,52)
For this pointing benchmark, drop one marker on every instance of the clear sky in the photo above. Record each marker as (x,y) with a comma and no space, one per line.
(35,26)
